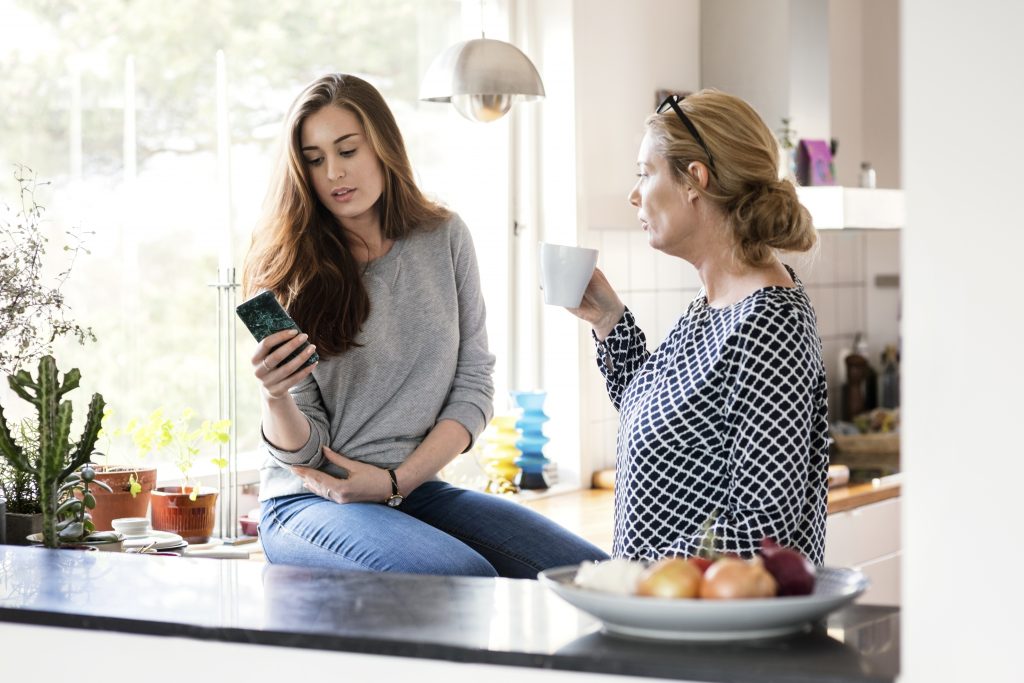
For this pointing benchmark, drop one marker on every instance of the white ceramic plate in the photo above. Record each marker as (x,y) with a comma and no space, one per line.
(162,540)
(672,619)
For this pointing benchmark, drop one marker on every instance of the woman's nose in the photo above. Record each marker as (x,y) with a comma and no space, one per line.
(335,169)
(634,196)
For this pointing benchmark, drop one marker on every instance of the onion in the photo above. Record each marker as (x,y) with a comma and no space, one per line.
(730,578)
(671,577)
(791,570)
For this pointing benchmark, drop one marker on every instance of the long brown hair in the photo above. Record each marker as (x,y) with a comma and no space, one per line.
(764,213)
(299,250)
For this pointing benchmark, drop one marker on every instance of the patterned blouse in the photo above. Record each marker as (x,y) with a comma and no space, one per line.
(724,425)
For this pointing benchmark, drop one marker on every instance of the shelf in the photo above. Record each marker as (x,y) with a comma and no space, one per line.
(835,208)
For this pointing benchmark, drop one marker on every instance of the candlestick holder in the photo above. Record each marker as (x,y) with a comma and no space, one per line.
(500,453)
(532,463)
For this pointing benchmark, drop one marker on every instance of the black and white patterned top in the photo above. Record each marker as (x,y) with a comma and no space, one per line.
(728,418)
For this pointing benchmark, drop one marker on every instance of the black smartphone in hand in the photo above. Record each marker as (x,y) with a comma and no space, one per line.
(264,316)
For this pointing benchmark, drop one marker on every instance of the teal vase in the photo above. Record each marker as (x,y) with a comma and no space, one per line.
(531,462)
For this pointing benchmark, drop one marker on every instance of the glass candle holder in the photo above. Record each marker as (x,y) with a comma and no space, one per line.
(531,441)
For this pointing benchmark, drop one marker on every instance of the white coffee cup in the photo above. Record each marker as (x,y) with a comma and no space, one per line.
(565,272)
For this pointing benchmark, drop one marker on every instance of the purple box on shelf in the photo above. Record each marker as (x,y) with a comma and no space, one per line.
(814,163)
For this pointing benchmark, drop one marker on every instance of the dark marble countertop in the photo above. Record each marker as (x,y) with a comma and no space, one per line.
(493,621)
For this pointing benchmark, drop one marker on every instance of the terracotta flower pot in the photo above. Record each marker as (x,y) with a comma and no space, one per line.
(121,503)
(174,511)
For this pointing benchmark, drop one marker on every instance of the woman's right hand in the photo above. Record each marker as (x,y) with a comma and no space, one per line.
(601,306)
(276,381)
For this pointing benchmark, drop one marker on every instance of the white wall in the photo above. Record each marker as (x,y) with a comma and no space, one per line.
(865,93)
(772,53)
(963,101)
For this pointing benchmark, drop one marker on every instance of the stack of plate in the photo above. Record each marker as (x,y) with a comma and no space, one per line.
(156,540)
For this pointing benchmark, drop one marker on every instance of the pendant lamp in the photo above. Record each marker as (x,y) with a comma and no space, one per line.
(481,78)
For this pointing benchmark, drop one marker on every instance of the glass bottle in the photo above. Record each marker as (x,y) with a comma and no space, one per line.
(867,175)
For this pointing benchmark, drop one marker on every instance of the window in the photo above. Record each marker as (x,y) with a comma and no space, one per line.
(114,105)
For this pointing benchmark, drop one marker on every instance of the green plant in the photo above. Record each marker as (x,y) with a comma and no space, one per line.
(56,456)
(18,488)
(33,314)
(74,523)
(786,135)
(181,437)
(108,433)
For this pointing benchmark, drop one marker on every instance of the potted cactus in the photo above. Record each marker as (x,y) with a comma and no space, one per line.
(56,456)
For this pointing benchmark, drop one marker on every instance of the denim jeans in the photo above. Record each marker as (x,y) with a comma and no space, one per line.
(439,529)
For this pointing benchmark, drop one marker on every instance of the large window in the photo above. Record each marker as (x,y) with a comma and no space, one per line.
(114,105)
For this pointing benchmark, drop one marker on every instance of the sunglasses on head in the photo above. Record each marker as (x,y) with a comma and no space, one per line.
(673,101)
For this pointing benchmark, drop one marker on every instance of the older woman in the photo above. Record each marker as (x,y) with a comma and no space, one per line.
(724,426)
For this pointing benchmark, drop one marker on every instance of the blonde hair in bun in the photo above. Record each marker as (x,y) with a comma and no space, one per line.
(763,212)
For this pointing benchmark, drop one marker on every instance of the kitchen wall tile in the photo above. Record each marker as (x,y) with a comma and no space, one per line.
(882,251)
(614,258)
(823,265)
(641,263)
(645,310)
(849,310)
(823,298)
(670,305)
(849,256)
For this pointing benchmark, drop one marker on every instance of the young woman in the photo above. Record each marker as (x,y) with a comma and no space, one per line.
(725,424)
(385,285)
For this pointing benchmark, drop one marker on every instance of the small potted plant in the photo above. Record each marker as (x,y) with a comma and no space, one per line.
(188,510)
(23,513)
(130,484)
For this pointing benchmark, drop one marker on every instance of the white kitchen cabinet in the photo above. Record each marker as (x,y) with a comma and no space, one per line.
(834,207)
(868,538)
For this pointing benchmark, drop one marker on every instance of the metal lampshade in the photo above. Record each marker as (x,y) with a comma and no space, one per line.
(482,78)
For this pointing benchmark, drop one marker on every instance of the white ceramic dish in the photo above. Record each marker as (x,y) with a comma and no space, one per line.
(669,619)
(131,526)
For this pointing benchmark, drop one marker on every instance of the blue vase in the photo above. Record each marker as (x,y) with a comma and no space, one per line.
(531,441)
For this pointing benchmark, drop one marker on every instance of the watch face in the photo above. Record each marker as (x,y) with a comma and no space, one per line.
(395,501)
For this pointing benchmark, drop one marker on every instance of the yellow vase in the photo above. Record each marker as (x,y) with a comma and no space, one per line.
(499,454)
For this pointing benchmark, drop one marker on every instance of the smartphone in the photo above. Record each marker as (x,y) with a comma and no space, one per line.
(264,316)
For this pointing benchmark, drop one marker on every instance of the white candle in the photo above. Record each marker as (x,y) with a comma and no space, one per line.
(223,163)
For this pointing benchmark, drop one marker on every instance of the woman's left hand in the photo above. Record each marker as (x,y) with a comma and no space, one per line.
(365,483)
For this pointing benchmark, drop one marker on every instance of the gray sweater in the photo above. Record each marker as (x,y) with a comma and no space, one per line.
(423,359)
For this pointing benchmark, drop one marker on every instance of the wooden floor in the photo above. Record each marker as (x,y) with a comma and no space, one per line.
(587,513)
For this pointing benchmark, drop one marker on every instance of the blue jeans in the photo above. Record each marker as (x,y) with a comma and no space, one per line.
(439,529)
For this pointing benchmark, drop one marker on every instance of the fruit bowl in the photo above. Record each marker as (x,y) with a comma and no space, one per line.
(695,619)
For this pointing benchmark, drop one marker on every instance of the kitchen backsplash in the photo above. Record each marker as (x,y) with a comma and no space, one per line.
(841,277)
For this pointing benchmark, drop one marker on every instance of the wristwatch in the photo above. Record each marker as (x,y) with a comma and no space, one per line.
(396,498)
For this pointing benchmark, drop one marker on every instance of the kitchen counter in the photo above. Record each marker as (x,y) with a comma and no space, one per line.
(503,622)
(852,496)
